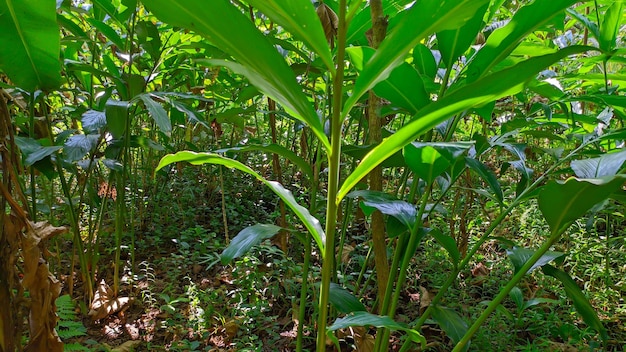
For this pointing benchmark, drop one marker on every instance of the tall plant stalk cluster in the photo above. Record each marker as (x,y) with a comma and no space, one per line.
(408,121)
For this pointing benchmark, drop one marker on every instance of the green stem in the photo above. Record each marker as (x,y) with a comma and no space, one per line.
(505,291)
(333,180)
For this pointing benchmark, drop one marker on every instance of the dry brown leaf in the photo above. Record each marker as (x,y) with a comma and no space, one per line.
(104,304)
(330,22)
(425,298)
(345,254)
(363,341)
(127,346)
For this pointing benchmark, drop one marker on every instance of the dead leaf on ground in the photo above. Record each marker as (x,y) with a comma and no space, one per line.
(104,304)
(425,298)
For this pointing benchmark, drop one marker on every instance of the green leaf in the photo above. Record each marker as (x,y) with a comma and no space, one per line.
(309,221)
(503,40)
(246,239)
(116,114)
(581,303)
(518,297)
(487,175)
(425,161)
(611,25)
(368,319)
(300,19)
(519,256)
(449,244)
(288,154)
(40,154)
(108,32)
(231,31)
(77,146)
(404,86)
(606,165)
(561,203)
(454,326)
(423,18)
(429,160)
(424,61)
(453,43)
(485,90)
(388,205)
(343,300)
(93,121)
(156,111)
(31,44)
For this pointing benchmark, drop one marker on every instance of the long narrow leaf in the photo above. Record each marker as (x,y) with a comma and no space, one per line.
(487,89)
(229,30)
(299,18)
(309,221)
(581,303)
(246,239)
(31,44)
(424,18)
(503,40)
(276,149)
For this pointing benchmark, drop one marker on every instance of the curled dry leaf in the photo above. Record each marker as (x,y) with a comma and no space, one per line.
(425,298)
(330,22)
(104,304)
(44,288)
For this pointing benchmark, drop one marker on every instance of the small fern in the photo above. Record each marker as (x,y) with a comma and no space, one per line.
(69,326)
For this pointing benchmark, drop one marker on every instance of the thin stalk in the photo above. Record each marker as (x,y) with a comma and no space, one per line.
(307,259)
(334,157)
(31,134)
(487,234)
(505,291)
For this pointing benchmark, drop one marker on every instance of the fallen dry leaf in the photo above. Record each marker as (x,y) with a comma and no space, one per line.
(425,298)
(104,304)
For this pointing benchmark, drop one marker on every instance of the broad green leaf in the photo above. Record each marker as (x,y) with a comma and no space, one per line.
(519,256)
(309,221)
(591,26)
(449,244)
(108,32)
(343,300)
(231,31)
(611,25)
(452,43)
(518,297)
(424,61)
(452,323)
(31,44)
(93,121)
(404,86)
(581,303)
(40,154)
(487,175)
(116,114)
(503,40)
(276,149)
(425,161)
(77,146)
(388,205)
(485,90)
(156,111)
(368,319)
(429,160)
(246,239)
(422,19)
(561,203)
(299,18)
(606,165)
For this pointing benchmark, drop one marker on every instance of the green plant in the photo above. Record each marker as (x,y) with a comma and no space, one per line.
(69,326)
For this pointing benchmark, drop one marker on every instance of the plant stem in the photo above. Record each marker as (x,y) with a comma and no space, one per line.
(333,180)
(505,291)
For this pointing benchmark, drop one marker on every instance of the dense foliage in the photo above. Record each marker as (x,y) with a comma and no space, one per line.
(312,175)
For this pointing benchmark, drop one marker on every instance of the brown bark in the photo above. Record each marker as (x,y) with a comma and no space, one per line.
(377,34)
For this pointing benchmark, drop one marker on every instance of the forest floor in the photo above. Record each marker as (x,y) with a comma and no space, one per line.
(181,297)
